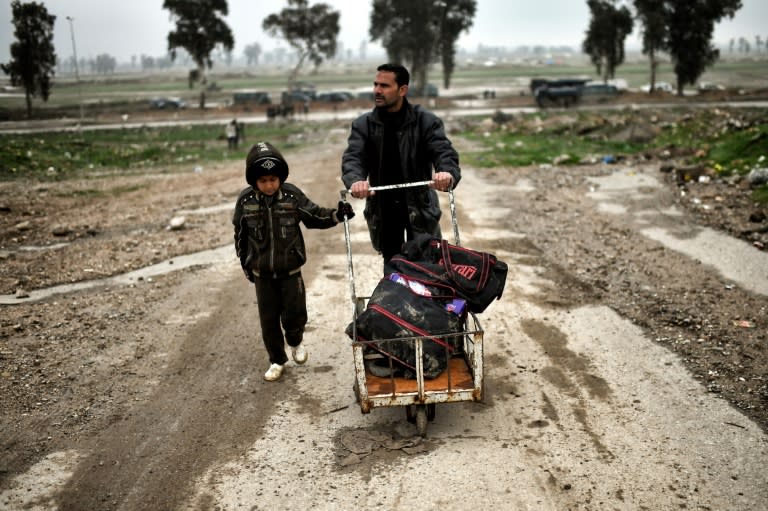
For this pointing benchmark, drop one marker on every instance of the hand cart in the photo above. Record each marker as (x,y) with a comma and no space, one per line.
(461,381)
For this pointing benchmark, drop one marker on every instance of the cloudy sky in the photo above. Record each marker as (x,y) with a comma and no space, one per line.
(123,28)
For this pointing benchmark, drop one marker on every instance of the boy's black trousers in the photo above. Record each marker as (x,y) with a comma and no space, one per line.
(282,306)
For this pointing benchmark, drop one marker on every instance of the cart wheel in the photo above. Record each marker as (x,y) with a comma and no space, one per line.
(410,416)
(421,420)
(431,412)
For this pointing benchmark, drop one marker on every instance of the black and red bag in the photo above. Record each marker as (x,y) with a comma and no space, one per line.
(411,308)
(478,277)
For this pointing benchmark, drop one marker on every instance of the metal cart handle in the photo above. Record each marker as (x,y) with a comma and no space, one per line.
(350,268)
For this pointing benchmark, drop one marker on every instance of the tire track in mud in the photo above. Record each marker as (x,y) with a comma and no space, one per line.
(208,403)
(582,410)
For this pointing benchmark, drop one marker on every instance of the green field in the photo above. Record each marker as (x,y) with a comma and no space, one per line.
(509,77)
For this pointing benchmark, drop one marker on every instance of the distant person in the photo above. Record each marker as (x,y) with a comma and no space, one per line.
(395,143)
(240,132)
(270,246)
(231,132)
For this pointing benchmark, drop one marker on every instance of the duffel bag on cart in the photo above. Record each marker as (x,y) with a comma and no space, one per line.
(402,307)
(478,277)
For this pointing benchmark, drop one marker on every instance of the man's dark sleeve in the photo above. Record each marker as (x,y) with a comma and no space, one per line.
(353,164)
(444,156)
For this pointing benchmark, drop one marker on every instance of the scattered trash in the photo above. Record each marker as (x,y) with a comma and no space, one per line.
(21,293)
(23,226)
(743,323)
(61,230)
(666,168)
(758,176)
(177,223)
(609,159)
(198,169)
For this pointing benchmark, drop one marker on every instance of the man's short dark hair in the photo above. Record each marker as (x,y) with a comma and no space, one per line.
(402,76)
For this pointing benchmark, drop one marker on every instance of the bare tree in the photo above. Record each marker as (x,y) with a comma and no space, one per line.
(651,16)
(609,27)
(199,30)
(311,30)
(33,58)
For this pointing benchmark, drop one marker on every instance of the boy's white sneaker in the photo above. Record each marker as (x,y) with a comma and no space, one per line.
(299,354)
(274,372)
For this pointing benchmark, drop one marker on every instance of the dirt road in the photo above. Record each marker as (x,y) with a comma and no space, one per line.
(598,393)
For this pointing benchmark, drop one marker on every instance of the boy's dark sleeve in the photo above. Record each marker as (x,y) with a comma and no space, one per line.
(236,217)
(241,238)
(312,215)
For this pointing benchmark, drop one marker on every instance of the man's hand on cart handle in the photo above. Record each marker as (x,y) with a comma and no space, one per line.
(442,181)
(359,190)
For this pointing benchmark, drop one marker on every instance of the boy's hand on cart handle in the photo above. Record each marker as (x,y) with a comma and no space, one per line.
(442,181)
(359,190)
(344,209)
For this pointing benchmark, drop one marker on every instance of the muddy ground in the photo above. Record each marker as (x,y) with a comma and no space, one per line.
(77,365)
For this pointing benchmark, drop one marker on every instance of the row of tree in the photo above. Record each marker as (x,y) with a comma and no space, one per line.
(415,33)
(683,29)
(745,47)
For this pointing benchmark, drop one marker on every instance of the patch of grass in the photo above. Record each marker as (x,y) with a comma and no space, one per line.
(722,143)
(718,140)
(561,144)
(761,194)
(741,151)
(58,155)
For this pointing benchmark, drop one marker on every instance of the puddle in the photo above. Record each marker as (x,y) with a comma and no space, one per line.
(204,211)
(206,257)
(734,259)
(40,248)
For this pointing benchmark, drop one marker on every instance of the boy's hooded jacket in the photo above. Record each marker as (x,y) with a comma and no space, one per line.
(268,237)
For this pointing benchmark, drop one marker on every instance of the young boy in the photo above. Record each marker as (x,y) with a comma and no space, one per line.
(270,246)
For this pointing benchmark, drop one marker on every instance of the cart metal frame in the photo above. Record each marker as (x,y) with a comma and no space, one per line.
(461,381)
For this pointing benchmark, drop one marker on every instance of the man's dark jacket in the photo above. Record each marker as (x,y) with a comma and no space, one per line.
(423,145)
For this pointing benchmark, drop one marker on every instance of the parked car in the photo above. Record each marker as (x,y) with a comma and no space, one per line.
(290,97)
(257,97)
(430,91)
(660,86)
(366,94)
(709,87)
(599,89)
(169,103)
(537,83)
(562,95)
(334,96)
